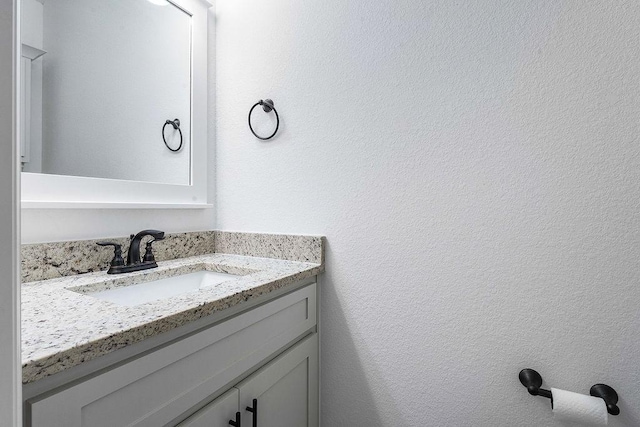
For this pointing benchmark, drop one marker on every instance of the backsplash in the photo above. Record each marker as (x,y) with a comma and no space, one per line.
(42,261)
(291,247)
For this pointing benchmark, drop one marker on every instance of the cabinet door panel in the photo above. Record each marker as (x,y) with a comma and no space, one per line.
(286,389)
(215,414)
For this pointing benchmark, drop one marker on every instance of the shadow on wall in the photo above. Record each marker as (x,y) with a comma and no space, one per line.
(626,418)
(339,354)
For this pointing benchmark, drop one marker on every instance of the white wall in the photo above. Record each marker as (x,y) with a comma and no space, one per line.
(55,225)
(114,72)
(10,385)
(31,21)
(476,168)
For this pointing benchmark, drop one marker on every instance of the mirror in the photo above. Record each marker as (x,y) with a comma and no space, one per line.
(103,82)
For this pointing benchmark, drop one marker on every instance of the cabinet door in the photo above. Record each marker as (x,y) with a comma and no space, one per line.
(285,390)
(215,414)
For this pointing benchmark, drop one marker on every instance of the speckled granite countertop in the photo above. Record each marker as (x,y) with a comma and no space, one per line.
(62,328)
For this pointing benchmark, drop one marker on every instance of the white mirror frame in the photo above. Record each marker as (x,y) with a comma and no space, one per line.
(58,191)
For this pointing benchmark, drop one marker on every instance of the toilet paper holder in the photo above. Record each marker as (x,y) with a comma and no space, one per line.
(533,381)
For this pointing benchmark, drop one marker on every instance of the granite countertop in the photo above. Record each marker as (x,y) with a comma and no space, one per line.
(62,328)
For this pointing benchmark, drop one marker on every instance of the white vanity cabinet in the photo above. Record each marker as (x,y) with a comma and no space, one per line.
(268,353)
(216,414)
(284,393)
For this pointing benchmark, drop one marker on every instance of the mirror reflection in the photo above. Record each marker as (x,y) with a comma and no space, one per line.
(106,89)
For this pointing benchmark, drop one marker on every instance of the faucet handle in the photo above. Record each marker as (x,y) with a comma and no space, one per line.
(148,253)
(117,253)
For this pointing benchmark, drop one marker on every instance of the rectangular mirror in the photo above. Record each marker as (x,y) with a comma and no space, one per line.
(107,93)
(109,76)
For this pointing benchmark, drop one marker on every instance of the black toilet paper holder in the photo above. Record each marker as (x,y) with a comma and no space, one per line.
(533,381)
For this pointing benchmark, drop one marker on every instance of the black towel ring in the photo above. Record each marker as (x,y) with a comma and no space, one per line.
(267,106)
(176,126)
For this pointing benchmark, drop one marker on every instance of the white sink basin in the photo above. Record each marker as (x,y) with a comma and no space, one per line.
(162,288)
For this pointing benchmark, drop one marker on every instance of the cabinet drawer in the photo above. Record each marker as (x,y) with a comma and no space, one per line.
(155,389)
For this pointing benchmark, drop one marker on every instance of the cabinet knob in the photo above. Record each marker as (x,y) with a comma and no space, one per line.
(254,411)
(235,423)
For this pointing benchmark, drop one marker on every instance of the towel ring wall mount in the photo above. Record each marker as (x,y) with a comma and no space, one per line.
(176,126)
(267,106)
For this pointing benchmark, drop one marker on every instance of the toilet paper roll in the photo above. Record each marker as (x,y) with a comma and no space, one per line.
(580,408)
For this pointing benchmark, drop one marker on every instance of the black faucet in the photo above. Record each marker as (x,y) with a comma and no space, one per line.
(134,247)
(134,263)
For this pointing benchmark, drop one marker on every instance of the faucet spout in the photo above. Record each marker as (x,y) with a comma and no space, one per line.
(133,256)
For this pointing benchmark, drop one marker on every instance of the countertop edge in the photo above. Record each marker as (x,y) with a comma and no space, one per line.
(37,369)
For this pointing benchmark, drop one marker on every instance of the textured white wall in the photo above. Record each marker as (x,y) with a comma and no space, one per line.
(114,72)
(476,168)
